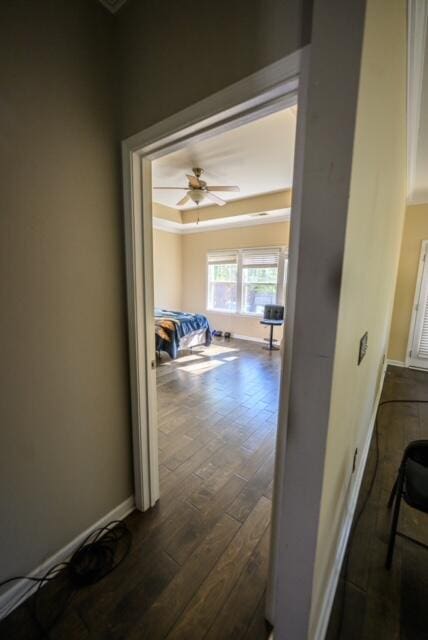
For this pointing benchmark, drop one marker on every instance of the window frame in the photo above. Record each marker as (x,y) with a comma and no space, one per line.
(280,282)
(224,253)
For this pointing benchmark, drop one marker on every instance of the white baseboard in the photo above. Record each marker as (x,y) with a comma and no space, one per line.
(396,363)
(22,589)
(250,338)
(330,591)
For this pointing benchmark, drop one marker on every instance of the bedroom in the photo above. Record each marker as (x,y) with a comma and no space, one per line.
(217,396)
(246,236)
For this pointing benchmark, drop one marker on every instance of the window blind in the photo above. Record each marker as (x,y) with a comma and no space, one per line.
(423,341)
(223,257)
(261,258)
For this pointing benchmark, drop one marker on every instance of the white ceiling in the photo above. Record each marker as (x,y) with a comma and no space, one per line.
(258,157)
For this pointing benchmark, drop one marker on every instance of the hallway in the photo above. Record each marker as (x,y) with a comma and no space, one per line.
(378,604)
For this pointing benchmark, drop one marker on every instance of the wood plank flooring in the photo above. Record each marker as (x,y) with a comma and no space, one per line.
(373,603)
(198,565)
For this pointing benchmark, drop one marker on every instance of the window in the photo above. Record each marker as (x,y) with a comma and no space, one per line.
(259,280)
(245,280)
(223,281)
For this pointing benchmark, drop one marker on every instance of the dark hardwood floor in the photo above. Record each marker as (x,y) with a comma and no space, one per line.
(198,564)
(373,603)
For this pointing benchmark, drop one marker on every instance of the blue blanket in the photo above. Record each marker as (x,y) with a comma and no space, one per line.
(184,323)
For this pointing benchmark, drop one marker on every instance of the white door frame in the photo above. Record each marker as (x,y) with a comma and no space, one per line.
(410,360)
(270,89)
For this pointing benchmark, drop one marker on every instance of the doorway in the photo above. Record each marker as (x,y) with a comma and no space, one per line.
(217,268)
(271,90)
(417,355)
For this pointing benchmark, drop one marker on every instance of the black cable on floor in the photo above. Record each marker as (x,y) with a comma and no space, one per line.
(97,556)
(360,512)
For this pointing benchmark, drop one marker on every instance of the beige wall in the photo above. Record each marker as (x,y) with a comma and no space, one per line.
(253,204)
(167,269)
(373,235)
(65,456)
(195,249)
(160,46)
(162,212)
(415,230)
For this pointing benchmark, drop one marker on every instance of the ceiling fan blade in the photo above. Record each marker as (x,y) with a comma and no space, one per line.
(193,181)
(219,188)
(181,188)
(214,198)
(183,201)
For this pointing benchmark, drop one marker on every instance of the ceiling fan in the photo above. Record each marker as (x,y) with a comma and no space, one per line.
(198,190)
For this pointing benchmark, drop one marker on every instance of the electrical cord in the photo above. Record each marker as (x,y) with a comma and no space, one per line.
(98,555)
(363,506)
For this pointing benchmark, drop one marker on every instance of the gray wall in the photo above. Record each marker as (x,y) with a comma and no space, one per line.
(65,451)
(174,53)
(65,454)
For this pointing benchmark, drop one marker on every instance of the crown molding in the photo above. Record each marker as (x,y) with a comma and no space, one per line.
(113,5)
(203,227)
(417,30)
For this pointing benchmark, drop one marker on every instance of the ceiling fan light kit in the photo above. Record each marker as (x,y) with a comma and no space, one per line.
(197,195)
(198,190)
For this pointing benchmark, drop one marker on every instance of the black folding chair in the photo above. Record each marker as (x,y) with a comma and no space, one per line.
(411,485)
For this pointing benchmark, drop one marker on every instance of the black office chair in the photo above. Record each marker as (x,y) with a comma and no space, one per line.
(412,485)
(273,317)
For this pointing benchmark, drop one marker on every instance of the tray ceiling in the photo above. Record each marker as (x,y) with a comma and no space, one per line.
(258,157)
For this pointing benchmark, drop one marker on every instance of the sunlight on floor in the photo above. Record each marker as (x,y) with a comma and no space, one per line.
(190,358)
(216,350)
(202,367)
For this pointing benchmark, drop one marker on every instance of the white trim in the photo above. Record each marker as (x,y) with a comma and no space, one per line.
(280,247)
(396,363)
(23,589)
(232,314)
(142,358)
(246,220)
(410,362)
(412,366)
(168,225)
(317,245)
(330,591)
(417,30)
(238,336)
(267,91)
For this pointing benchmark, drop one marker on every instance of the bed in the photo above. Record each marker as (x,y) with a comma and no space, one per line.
(177,330)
